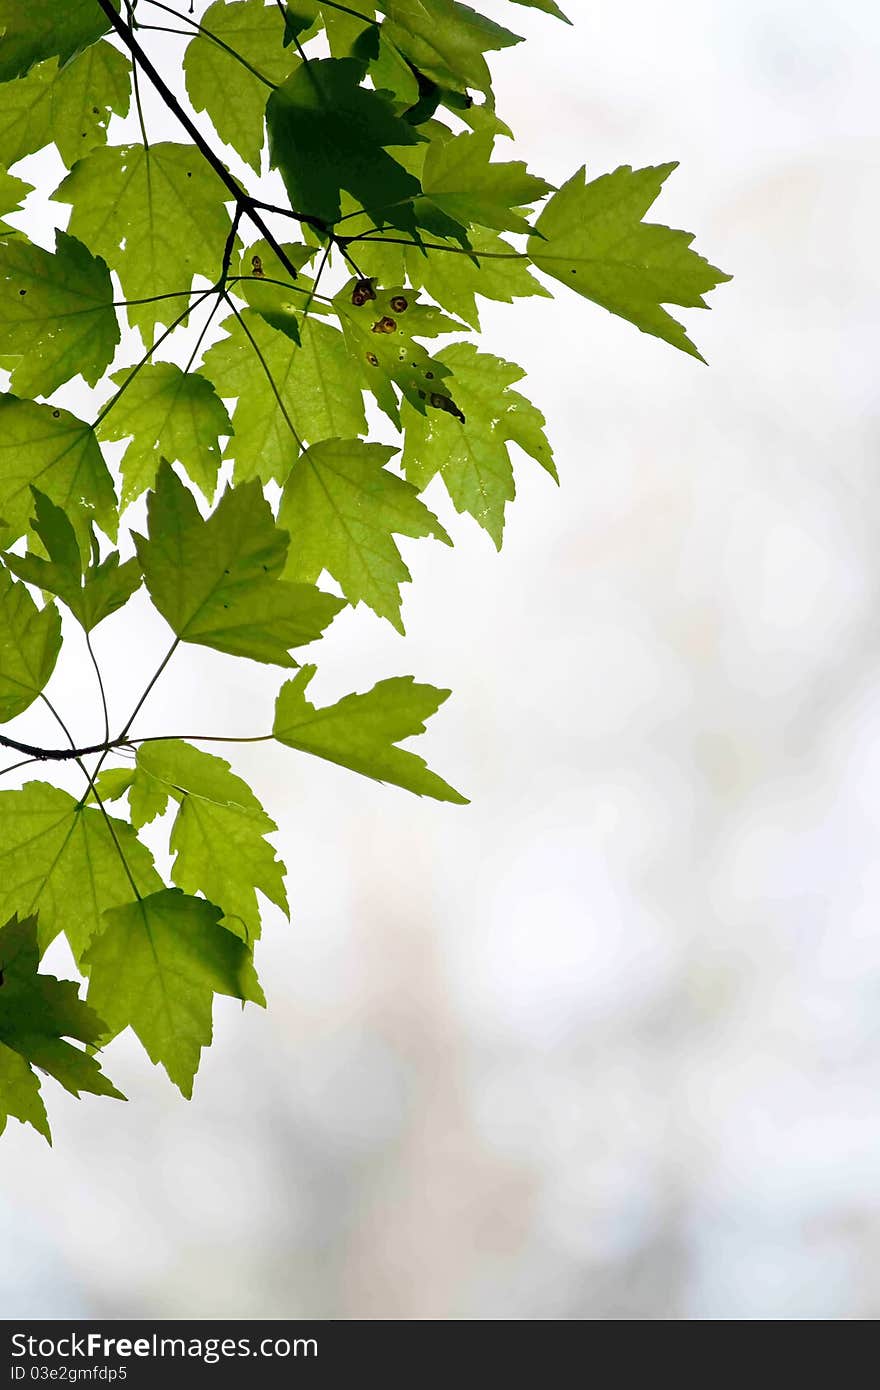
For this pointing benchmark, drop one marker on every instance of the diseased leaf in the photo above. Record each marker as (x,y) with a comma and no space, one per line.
(472,457)
(328,133)
(378,326)
(320,393)
(91,591)
(234,97)
(69,107)
(342,508)
(156,967)
(157,216)
(598,245)
(217,581)
(59,858)
(45,446)
(30,640)
(41,29)
(219,831)
(166,413)
(37,1015)
(360,731)
(453,279)
(57,318)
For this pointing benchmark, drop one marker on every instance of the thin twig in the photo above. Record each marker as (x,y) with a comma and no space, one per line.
(91,652)
(233,53)
(136,83)
(269,377)
(105,409)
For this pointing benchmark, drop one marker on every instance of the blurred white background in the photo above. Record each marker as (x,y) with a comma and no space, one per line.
(606,1043)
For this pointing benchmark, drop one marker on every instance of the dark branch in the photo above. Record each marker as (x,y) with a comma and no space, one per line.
(243,200)
(59,755)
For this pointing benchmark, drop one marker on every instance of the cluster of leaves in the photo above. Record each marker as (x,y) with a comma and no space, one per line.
(396,214)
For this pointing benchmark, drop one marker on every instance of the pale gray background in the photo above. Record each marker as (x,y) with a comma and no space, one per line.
(605,1044)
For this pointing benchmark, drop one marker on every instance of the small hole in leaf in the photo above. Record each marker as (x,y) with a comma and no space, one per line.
(372,359)
(56,414)
(22,292)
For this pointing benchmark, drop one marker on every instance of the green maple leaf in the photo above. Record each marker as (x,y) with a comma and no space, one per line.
(453,279)
(166,412)
(156,967)
(69,107)
(156,215)
(59,858)
(37,1015)
(219,832)
(13,192)
(233,97)
(472,458)
(328,133)
(30,640)
(56,314)
(360,731)
(547,6)
(446,41)
(45,446)
(459,178)
(597,244)
(320,393)
(41,29)
(342,508)
(216,581)
(91,591)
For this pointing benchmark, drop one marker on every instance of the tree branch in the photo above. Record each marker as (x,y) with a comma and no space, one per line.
(243,200)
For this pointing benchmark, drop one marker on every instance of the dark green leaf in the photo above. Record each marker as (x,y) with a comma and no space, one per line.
(328,133)
(39,29)
(37,1015)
